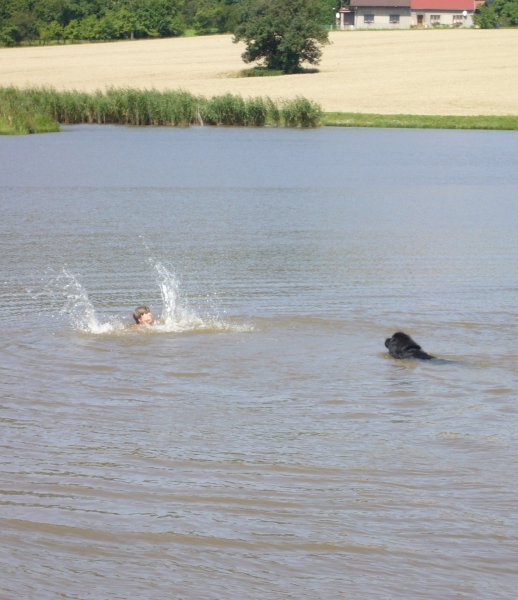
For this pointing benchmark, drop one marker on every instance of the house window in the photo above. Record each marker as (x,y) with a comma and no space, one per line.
(368,19)
(458,19)
(435,19)
(394,19)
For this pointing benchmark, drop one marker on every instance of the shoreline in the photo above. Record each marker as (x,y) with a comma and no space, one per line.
(360,120)
(480,122)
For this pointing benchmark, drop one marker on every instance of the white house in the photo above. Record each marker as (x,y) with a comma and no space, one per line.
(405,14)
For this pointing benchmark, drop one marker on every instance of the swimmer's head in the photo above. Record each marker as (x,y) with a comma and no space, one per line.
(143,315)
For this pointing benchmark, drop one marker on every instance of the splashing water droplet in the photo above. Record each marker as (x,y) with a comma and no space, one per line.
(79,308)
(176,315)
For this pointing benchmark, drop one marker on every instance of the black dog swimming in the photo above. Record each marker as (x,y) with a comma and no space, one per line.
(401,345)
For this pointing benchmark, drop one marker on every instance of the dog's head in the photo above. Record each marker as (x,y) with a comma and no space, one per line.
(401,345)
(401,341)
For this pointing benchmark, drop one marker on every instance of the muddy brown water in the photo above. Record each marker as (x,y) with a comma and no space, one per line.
(258,442)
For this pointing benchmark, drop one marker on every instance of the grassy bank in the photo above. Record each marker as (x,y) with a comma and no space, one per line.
(37,110)
(419,121)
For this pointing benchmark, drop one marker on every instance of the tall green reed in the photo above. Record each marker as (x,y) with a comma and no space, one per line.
(147,108)
(301,112)
(18,115)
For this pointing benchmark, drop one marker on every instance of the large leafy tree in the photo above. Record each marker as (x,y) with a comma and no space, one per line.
(283,34)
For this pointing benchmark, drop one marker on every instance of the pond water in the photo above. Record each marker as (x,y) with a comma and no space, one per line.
(258,441)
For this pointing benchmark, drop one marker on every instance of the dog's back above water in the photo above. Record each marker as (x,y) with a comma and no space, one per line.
(401,345)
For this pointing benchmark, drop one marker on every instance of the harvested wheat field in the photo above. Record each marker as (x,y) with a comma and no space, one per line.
(435,72)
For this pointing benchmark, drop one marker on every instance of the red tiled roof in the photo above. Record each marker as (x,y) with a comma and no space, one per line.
(442,5)
(382,3)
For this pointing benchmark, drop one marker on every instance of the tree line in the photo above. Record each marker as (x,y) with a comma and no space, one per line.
(50,21)
(44,21)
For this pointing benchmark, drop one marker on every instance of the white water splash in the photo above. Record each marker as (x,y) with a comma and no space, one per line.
(177,315)
(79,308)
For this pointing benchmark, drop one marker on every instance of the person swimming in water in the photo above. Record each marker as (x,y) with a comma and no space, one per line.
(143,315)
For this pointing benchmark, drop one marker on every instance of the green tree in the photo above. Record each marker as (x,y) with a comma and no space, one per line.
(50,11)
(10,35)
(155,18)
(171,27)
(282,33)
(89,28)
(26,24)
(72,31)
(509,13)
(497,13)
(215,16)
(123,22)
(50,32)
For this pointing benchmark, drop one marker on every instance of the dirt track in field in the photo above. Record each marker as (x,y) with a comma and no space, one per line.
(454,72)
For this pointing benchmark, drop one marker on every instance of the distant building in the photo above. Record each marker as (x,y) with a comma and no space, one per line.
(405,14)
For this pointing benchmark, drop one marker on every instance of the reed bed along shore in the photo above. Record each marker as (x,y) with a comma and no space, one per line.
(37,110)
(42,110)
